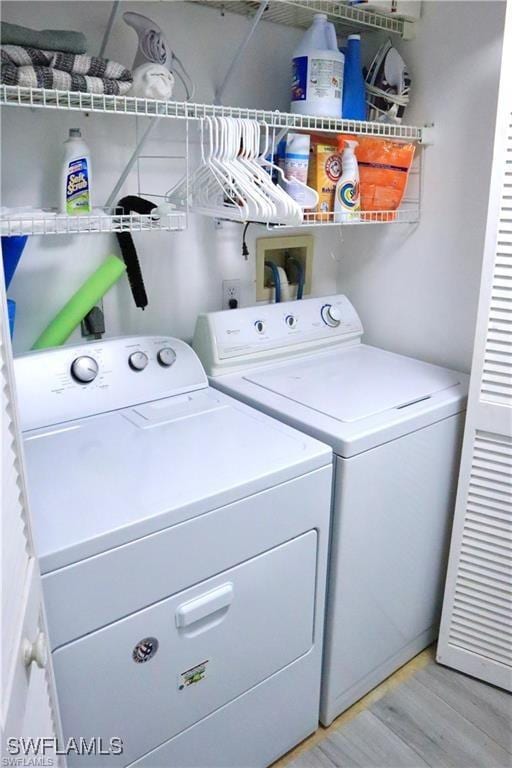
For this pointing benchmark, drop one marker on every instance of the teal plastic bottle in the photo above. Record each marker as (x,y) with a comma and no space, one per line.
(354,99)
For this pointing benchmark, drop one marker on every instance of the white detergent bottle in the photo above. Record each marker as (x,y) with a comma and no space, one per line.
(75,182)
(317,73)
(347,201)
(296,163)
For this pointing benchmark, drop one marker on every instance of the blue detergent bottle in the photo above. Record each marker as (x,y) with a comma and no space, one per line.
(354,99)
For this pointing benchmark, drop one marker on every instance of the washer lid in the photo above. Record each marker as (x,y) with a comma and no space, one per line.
(353,384)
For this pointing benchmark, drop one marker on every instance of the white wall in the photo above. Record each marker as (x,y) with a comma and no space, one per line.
(183,271)
(416,287)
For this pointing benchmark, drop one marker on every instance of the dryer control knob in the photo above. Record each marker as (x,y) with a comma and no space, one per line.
(291,321)
(166,357)
(84,369)
(331,315)
(260,326)
(138,361)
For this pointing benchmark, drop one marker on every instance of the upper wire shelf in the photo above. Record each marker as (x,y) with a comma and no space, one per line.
(129,105)
(299,13)
(48,222)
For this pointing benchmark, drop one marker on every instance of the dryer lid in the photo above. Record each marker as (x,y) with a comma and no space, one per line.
(356,383)
(103,481)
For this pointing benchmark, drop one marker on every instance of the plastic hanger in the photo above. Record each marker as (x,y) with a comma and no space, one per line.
(230,181)
(310,196)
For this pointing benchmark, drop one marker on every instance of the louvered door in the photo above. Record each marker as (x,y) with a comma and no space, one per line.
(27,700)
(476,626)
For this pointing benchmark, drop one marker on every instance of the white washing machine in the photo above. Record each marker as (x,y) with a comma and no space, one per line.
(183,540)
(395,425)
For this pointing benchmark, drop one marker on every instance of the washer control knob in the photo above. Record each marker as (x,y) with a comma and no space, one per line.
(138,361)
(331,315)
(291,321)
(166,356)
(260,326)
(84,369)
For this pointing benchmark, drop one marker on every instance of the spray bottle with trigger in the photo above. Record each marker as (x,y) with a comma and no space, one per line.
(347,201)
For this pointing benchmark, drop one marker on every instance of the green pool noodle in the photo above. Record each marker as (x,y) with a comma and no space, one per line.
(87,296)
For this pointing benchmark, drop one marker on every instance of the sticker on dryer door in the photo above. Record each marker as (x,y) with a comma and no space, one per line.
(192,675)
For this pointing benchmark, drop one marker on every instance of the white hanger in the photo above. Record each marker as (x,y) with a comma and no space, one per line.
(230,182)
(284,208)
(210,189)
(310,197)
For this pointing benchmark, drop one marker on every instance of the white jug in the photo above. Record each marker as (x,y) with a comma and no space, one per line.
(317,78)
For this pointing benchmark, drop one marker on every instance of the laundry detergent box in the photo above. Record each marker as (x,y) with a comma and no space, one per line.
(323,173)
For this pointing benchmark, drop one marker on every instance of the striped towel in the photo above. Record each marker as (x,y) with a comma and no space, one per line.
(35,68)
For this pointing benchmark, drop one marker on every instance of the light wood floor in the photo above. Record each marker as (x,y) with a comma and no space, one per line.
(424,715)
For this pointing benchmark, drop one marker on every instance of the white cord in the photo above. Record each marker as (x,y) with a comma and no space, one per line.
(402,99)
(185,78)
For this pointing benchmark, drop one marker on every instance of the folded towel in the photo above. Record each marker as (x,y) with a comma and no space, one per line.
(47,39)
(34,68)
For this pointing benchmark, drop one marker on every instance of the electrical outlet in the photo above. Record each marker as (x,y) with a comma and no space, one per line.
(230,294)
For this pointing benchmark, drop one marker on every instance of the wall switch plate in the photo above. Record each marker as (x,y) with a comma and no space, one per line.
(230,294)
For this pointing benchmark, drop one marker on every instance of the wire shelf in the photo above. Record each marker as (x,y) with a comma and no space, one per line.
(406,214)
(128,105)
(51,223)
(299,13)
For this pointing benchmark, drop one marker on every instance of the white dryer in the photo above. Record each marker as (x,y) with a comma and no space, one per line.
(183,540)
(395,425)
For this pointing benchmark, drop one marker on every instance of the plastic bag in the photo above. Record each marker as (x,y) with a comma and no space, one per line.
(383,173)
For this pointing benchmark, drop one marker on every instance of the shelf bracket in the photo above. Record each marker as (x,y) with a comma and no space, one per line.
(241,50)
(111,20)
(427,135)
(409,30)
(112,198)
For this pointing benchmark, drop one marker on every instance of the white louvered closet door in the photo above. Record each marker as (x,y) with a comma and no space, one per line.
(27,699)
(476,626)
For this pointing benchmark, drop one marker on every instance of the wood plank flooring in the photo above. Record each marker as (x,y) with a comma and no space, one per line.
(424,715)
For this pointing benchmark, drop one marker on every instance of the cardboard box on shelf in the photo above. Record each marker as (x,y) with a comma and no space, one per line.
(323,173)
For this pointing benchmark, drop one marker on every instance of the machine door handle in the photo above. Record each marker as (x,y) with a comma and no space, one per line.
(205,605)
